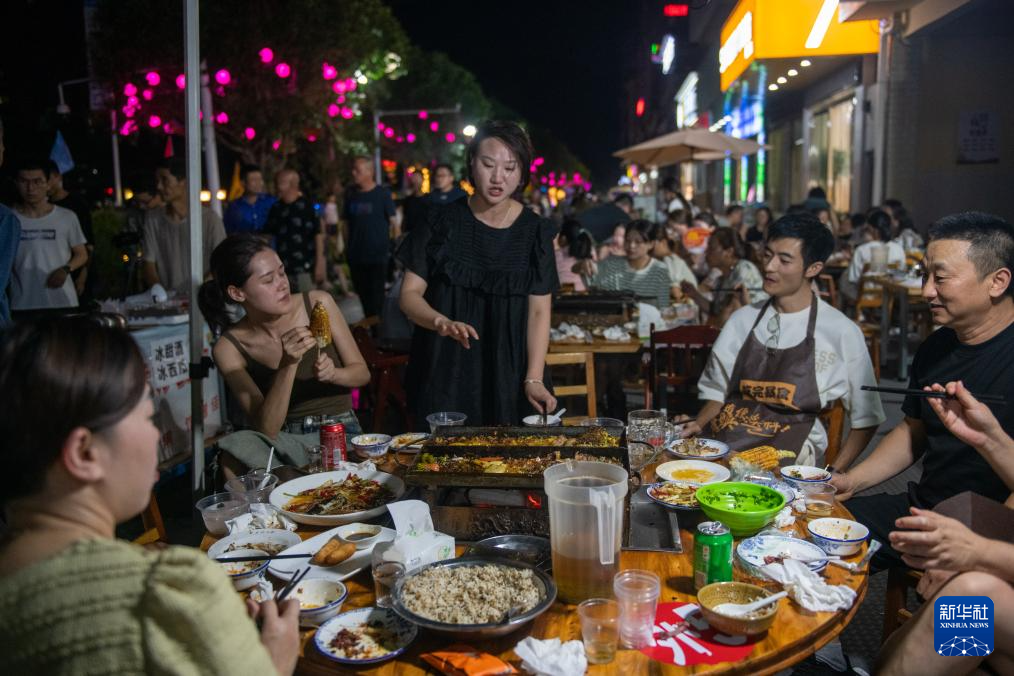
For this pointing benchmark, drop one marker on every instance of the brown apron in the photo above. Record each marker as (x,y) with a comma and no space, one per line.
(773,397)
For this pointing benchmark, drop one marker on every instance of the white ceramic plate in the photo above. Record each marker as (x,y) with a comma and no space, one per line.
(286,568)
(281,496)
(410,442)
(668,471)
(718,449)
(247,539)
(753,550)
(404,633)
(807,474)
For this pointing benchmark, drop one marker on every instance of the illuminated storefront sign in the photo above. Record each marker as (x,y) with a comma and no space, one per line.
(777,29)
(686,102)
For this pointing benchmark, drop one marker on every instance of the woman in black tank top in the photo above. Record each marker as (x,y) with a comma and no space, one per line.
(269,358)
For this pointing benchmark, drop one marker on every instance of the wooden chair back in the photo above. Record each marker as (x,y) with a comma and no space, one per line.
(676,358)
(896,612)
(587,389)
(832,417)
(827,288)
(154,528)
(385,376)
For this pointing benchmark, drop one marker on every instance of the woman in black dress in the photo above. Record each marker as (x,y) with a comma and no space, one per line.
(480,273)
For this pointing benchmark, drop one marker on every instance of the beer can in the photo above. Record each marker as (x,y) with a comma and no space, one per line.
(712,554)
(332,438)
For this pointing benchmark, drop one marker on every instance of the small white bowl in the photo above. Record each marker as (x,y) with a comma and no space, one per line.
(369,533)
(244,574)
(319,599)
(372,445)
(536,421)
(809,475)
(838,537)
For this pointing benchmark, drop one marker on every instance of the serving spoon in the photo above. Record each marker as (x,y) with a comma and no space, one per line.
(740,609)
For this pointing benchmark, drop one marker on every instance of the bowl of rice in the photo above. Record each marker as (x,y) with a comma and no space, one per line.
(474,598)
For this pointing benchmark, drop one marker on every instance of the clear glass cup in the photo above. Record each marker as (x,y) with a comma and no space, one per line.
(218,508)
(385,575)
(600,630)
(637,593)
(444,419)
(648,433)
(819,499)
(255,486)
(313,458)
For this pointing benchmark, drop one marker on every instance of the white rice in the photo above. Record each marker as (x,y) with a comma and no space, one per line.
(477,594)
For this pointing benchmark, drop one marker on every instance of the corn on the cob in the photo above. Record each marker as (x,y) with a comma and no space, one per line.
(320,325)
(765,457)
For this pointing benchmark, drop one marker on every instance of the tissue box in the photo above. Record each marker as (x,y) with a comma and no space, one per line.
(416,543)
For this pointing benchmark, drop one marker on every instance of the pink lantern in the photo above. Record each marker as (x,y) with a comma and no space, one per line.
(167,128)
(200,114)
(348,113)
(388,132)
(132,101)
(129,89)
(544,180)
(267,56)
(154,121)
(434,126)
(400,139)
(312,138)
(283,70)
(423,114)
(350,84)
(333,110)
(223,77)
(340,99)
(222,117)
(539,161)
(339,87)
(533,168)
(181,81)
(450,137)
(577,177)
(381,126)
(147,94)
(152,78)
(249,133)
(410,137)
(276,144)
(328,72)
(129,111)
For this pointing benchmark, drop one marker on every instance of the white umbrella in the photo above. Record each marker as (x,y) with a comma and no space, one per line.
(687,145)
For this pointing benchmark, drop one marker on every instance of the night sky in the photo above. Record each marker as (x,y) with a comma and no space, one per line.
(556,62)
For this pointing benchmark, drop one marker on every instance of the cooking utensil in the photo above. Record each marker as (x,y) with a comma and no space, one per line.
(266,557)
(984,398)
(674,530)
(858,565)
(290,585)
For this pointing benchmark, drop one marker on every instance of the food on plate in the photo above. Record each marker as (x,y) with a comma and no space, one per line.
(269,548)
(456,464)
(765,457)
(592,437)
(695,446)
(675,493)
(364,641)
(691,474)
(353,494)
(320,325)
(479,594)
(333,553)
(404,440)
(241,567)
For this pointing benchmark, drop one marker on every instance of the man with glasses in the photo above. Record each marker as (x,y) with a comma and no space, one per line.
(52,245)
(778,362)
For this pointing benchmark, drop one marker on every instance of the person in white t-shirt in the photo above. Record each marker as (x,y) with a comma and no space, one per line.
(866,253)
(777,363)
(52,245)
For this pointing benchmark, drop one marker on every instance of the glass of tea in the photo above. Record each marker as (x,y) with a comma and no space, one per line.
(819,499)
(600,629)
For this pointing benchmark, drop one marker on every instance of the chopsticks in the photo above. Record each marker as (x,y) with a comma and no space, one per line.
(984,398)
(264,557)
(291,584)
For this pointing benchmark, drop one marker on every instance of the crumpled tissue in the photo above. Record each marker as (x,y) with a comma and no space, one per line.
(261,515)
(616,333)
(784,518)
(808,588)
(551,657)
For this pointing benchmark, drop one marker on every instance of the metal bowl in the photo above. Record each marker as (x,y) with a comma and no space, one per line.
(475,632)
(529,549)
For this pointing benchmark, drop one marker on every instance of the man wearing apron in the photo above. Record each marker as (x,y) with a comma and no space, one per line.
(777,364)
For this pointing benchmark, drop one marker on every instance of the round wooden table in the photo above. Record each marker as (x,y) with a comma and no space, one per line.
(795,634)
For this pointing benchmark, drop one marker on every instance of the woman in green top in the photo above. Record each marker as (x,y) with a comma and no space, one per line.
(638,272)
(80,452)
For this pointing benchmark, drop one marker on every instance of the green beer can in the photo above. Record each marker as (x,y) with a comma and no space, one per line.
(712,554)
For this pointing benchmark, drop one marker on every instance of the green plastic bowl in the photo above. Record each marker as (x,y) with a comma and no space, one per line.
(744,507)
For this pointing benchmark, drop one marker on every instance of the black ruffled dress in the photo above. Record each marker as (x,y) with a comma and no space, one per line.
(481,276)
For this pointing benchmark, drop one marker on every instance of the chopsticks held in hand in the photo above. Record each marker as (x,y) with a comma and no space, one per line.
(984,398)
(291,584)
(263,557)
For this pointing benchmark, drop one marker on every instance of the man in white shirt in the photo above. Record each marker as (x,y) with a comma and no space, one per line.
(776,364)
(52,245)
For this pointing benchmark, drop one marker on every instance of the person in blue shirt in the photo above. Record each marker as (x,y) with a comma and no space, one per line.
(10,235)
(249,212)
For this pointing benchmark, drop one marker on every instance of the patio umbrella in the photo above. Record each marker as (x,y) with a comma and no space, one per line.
(687,145)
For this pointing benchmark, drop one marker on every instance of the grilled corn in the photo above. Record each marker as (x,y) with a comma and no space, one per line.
(765,457)
(320,325)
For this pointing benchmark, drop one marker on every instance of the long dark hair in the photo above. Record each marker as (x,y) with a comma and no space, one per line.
(230,266)
(60,373)
(511,135)
(729,238)
(580,243)
(659,233)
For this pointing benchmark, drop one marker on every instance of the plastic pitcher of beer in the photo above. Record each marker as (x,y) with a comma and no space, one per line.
(585,526)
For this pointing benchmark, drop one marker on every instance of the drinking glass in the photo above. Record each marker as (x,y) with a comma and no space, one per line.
(819,500)
(444,419)
(385,575)
(218,508)
(599,629)
(637,593)
(313,458)
(647,433)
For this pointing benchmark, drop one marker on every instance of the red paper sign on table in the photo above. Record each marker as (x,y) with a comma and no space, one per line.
(699,644)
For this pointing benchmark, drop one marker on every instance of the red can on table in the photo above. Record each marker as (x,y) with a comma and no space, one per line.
(332,438)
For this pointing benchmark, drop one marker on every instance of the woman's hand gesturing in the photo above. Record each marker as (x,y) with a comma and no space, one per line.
(459,331)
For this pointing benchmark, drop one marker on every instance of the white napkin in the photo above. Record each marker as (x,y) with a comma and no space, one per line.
(784,518)
(261,515)
(616,333)
(349,466)
(646,316)
(807,588)
(550,657)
